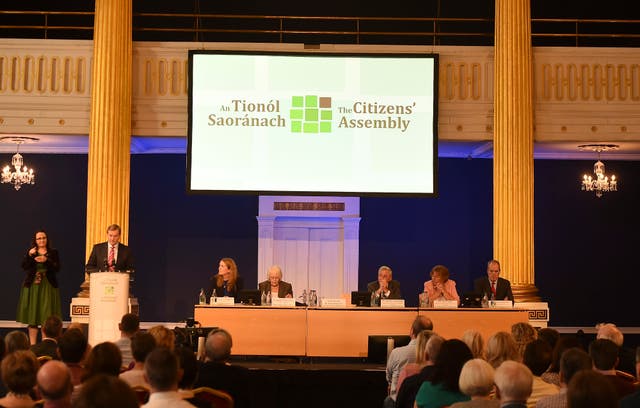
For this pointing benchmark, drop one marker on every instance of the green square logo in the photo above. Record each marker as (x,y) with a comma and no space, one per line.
(310,114)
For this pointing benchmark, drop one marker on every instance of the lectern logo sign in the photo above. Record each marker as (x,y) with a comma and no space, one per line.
(311,114)
(109,291)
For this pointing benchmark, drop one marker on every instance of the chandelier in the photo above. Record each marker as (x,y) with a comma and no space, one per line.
(20,174)
(600,183)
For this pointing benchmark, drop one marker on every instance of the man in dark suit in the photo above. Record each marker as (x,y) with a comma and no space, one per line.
(514,383)
(275,282)
(217,373)
(385,287)
(110,255)
(493,285)
(51,332)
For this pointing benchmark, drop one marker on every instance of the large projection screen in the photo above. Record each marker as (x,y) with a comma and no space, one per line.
(312,123)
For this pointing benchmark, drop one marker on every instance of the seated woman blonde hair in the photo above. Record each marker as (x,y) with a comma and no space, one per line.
(473,339)
(501,347)
(476,381)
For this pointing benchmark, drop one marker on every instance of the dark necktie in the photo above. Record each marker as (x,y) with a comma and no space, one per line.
(493,288)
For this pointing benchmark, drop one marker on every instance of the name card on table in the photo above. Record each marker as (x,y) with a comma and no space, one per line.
(445,304)
(283,302)
(501,304)
(333,302)
(222,301)
(392,303)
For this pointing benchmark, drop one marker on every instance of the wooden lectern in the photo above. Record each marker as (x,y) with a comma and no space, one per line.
(109,298)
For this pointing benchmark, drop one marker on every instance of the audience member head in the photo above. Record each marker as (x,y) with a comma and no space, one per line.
(106,391)
(419,324)
(52,327)
(501,347)
(611,332)
(523,334)
(473,340)
(218,346)
(164,337)
(161,370)
(129,324)
(19,371)
(421,346)
(551,336)
(572,361)
(105,358)
(141,345)
(188,366)
(439,273)
(589,389)
(2,348)
(537,356)
(16,340)
(72,346)
(563,343)
(54,381)
(604,354)
(433,348)
(453,354)
(514,382)
(476,378)
(638,363)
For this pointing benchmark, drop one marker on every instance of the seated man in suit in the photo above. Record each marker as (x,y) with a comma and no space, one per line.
(217,373)
(385,287)
(275,284)
(493,285)
(111,255)
(51,332)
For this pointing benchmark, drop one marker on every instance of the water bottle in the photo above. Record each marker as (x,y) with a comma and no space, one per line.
(423,299)
(305,298)
(214,297)
(485,300)
(263,299)
(202,299)
(374,299)
(313,298)
(269,298)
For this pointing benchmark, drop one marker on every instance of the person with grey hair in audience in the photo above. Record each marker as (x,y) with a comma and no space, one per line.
(16,340)
(514,382)
(611,332)
(161,371)
(400,356)
(477,381)
(54,385)
(571,361)
(410,386)
(217,373)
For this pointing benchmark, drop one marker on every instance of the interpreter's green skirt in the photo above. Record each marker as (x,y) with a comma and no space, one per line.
(38,301)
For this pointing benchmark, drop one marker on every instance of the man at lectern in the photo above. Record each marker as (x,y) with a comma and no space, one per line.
(110,256)
(493,285)
(385,287)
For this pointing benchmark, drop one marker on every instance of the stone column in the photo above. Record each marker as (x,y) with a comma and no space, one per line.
(513,147)
(110,126)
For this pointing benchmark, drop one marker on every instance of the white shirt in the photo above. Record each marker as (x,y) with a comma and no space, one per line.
(166,399)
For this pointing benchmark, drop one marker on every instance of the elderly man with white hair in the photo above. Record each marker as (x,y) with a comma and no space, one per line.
(626,355)
(275,284)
